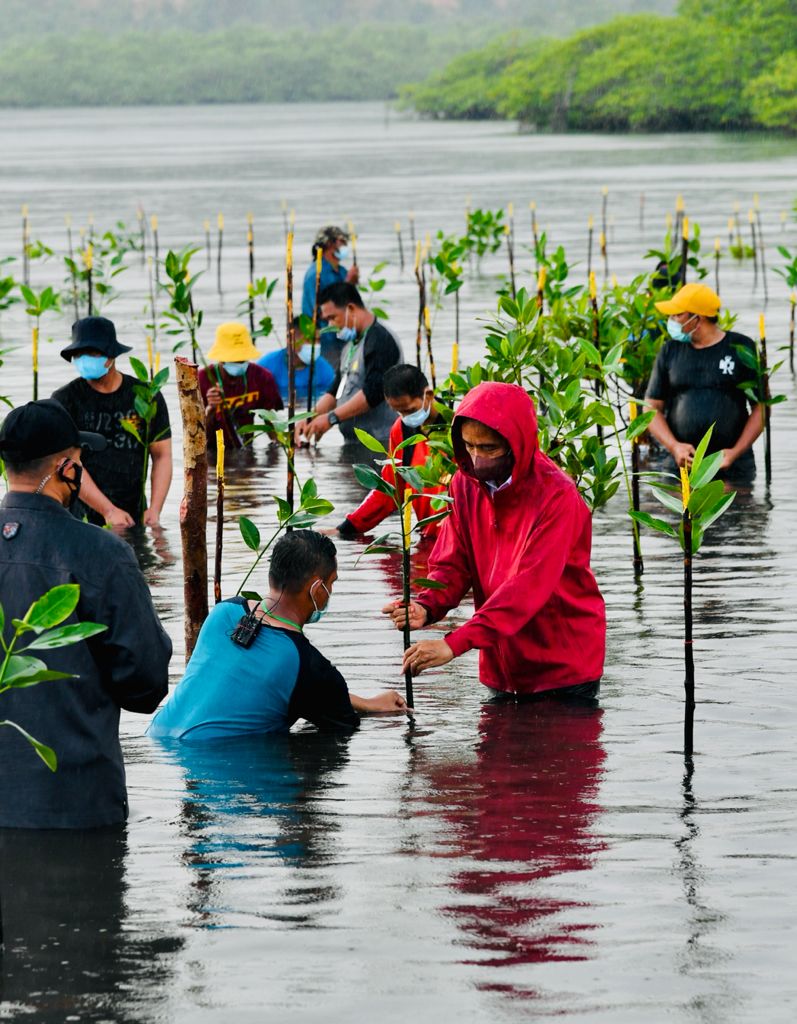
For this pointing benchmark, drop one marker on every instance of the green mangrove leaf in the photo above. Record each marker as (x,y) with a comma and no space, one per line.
(47,754)
(670,501)
(656,524)
(699,453)
(639,425)
(427,584)
(709,467)
(369,441)
(249,532)
(65,636)
(53,607)
(139,369)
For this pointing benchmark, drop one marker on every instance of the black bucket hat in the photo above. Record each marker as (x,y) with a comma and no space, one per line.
(94,332)
(37,429)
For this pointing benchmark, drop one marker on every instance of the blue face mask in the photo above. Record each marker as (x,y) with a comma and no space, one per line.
(90,367)
(417,418)
(235,369)
(344,253)
(676,330)
(305,353)
(318,613)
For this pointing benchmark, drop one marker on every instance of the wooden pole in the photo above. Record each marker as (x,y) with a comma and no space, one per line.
(72,274)
(35,359)
(142,233)
(792,303)
(510,248)
(717,248)
(590,233)
(88,259)
(194,507)
(290,335)
(534,231)
(684,249)
(155,247)
(319,256)
(541,287)
(284,210)
(689,661)
(604,256)
(421,279)
(604,231)
(397,227)
(639,565)
(411,219)
(761,247)
(766,396)
(25,246)
(250,245)
(406,528)
(219,515)
(751,221)
(427,326)
(220,223)
(596,337)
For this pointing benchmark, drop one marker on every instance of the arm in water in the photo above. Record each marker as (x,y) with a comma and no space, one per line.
(161,452)
(92,496)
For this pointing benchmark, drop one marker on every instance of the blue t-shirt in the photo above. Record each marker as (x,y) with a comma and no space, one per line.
(228,690)
(277,365)
(330,346)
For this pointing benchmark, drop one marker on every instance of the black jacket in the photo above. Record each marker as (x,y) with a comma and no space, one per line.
(124,667)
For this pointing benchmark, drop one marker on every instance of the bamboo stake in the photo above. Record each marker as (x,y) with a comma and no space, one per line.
(427,325)
(152,302)
(511,254)
(35,359)
(220,223)
(153,222)
(150,358)
(792,303)
(406,527)
(766,396)
(209,257)
(679,217)
(730,232)
(455,357)
(284,210)
(737,226)
(605,256)
(421,279)
(72,274)
(689,661)
(88,260)
(319,256)
(289,334)
(541,287)
(761,247)
(751,221)
(593,298)
(194,506)
(219,515)
(397,228)
(604,209)
(353,240)
(142,233)
(25,245)
(250,245)
(590,233)
(534,232)
(411,219)
(717,248)
(639,565)
(684,248)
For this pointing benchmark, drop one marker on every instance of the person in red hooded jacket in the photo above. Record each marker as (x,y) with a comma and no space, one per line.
(519,534)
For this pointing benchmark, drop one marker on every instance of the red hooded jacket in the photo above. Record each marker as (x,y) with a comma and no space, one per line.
(540,621)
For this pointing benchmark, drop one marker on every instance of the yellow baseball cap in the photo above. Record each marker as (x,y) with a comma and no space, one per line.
(692,298)
(233,344)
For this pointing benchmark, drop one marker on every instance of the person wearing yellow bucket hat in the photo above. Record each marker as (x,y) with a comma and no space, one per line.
(697,381)
(233,385)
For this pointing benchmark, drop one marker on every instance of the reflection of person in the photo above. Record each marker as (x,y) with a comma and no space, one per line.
(232,385)
(124,667)
(522,812)
(98,400)
(696,383)
(334,244)
(234,689)
(277,365)
(407,392)
(357,395)
(519,534)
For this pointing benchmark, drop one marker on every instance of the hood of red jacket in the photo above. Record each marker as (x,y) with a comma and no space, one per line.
(507,409)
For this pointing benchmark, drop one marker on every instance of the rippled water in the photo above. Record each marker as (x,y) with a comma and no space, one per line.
(493,862)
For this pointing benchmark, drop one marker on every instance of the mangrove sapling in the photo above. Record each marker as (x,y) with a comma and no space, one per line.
(450,279)
(20,669)
(789,274)
(484,233)
(399,240)
(402,497)
(310,509)
(372,285)
(219,515)
(36,305)
(155,247)
(758,389)
(699,502)
(260,292)
(184,319)
(145,394)
(220,224)
(250,247)
(420,277)
(291,351)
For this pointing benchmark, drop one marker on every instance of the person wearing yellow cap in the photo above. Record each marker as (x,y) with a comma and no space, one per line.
(233,385)
(697,381)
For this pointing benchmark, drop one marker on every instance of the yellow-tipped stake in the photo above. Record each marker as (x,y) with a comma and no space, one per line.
(291,346)
(407,523)
(686,229)
(684,249)
(157,363)
(220,225)
(792,304)
(765,395)
(604,205)
(593,287)
(397,229)
(541,286)
(319,256)
(755,201)
(153,223)
(783,218)
(754,244)
(455,358)
(427,323)
(717,252)
(25,247)
(150,357)
(406,530)
(250,247)
(679,204)
(417,256)
(615,282)
(590,233)
(206,229)
(219,514)
(534,231)
(411,219)
(761,247)
(510,249)
(35,355)
(731,223)
(88,263)
(686,490)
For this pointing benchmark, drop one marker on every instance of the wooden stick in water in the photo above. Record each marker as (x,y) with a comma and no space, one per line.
(194,507)
(421,279)
(427,325)
(717,249)
(319,256)
(397,228)
(250,245)
(155,247)
(219,515)
(142,233)
(761,247)
(220,223)
(767,408)
(541,287)
(590,233)
(411,219)
(35,360)
(639,565)
(596,338)
(754,243)
(792,303)
(25,246)
(684,248)
(72,274)
(88,260)
(689,661)
(290,335)
(406,527)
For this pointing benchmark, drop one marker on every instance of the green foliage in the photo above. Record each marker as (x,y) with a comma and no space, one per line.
(145,393)
(19,670)
(789,269)
(260,292)
(181,318)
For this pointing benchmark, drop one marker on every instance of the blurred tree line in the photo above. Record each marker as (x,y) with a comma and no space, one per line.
(718,64)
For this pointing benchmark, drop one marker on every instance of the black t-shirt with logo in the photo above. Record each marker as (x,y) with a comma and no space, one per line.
(701,386)
(118,470)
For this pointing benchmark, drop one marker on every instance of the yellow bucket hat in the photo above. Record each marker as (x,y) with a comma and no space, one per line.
(692,298)
(233,344)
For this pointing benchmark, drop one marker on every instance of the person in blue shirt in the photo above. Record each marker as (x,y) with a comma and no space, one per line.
(232,687)
(334,245)
(277,365)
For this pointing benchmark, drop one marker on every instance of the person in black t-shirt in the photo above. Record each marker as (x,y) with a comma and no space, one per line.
(113,490)
(356,397)
(696,382)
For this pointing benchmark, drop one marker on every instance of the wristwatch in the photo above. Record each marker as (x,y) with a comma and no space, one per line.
(333,418)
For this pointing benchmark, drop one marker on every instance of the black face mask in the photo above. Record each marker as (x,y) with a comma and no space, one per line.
(495,470)
(72,482)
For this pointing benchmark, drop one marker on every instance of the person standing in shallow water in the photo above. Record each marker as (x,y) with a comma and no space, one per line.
(519,535)
(98,400)
(334,245)
(696,383)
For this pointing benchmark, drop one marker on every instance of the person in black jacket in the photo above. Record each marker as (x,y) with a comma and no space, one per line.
(126,666)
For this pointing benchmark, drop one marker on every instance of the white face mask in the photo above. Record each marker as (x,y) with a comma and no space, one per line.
(305,353)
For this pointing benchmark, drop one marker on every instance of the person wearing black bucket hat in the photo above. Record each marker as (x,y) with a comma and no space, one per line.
(126,666)
(99,400)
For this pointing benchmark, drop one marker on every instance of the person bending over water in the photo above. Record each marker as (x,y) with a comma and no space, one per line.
(254,670)
(519,534)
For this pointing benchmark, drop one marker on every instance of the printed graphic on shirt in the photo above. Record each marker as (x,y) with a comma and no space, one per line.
(727,365)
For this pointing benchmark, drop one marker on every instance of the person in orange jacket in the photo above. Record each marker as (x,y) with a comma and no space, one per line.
(407,392)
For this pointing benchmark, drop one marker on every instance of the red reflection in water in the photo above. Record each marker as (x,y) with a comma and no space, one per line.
(526,808)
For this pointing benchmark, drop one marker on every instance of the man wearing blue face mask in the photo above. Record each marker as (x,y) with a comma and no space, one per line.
(333,243)
(277,365)
(233,385)
(697,381)
(254,671)
(98,401)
